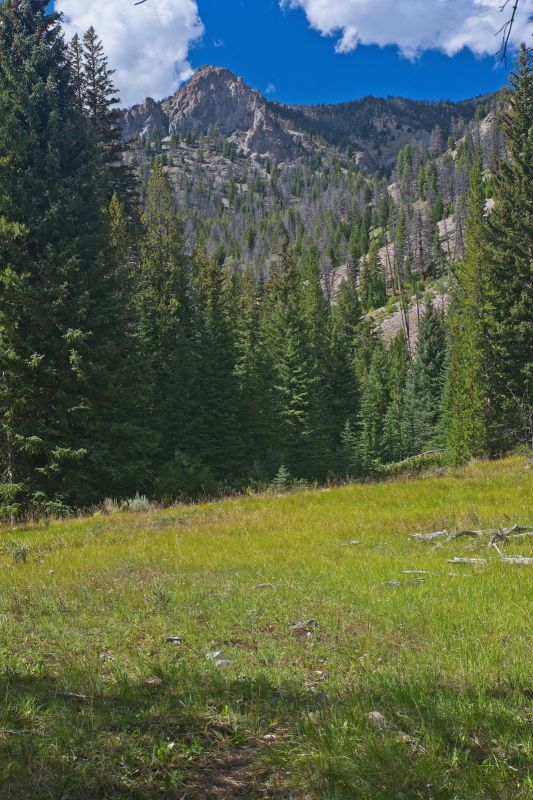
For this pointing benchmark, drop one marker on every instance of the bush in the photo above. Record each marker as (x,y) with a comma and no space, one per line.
(416,464)
(136,504)
(50,508)
(11,500)
(185,478)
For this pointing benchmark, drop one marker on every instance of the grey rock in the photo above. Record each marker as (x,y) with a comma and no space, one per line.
(175,640)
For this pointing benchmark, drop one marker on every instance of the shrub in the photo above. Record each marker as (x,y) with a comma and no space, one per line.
(185,478)
(46,507)
(11,500)
(416,464)
(137,503)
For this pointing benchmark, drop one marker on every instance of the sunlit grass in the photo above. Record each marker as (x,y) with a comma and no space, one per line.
(96,704)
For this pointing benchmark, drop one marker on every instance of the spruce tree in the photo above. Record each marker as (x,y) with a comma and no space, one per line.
(75,55)
(295,434)
(468,391)
(164,307)
(250,376)
(510,242)
(372,288)
(218,439)
(425,383)
(59,297)
(99,103)
(393,425)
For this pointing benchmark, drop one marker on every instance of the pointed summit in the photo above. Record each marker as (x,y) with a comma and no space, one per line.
(215,97)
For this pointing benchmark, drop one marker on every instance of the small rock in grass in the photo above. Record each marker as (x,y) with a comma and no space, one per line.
(377,720)
(223,662)
(388,584)
(153,682)
(175,640)
(107,656)
(304,628)
(467,561)
(213,656)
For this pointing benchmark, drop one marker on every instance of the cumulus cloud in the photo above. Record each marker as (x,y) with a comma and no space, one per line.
(415,25)
(148,45)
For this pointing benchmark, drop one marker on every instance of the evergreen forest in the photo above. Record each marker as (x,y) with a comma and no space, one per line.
(161,338)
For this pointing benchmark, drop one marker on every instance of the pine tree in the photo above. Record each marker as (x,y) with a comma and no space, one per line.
(510,241)
(59,297)
(372,287)
(393,425)
(295,434)
(218,440)
(164,305)
(375,399)
(425,384)
(250,376)
(468,393)
(75,55)
(99,102)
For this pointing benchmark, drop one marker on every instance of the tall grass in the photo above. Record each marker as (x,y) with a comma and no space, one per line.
(96,703)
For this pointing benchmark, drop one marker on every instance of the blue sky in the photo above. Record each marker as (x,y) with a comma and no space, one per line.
(273,47)
(304,51)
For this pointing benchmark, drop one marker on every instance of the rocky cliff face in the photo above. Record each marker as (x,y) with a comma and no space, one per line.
(143,120)
(214,98)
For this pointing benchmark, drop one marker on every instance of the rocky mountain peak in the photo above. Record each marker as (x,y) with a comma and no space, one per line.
(214,98)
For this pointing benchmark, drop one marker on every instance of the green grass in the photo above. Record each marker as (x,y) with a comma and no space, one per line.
(95,704)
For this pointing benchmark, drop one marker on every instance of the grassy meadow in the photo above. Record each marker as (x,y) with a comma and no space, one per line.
(300,646)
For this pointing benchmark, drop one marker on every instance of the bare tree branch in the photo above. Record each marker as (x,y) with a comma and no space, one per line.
(507,28)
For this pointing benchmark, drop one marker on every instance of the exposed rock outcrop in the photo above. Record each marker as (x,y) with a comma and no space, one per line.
(143,120)
(214,98)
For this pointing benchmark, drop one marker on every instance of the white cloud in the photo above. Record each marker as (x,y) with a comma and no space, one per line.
(415,25)
(148,45)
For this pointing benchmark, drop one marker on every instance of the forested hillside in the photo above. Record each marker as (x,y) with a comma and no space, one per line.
(193,311)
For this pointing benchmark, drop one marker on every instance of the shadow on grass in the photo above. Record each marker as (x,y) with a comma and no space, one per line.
(171,737)
(190,736)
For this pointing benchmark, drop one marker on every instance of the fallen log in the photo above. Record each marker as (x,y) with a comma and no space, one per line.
(428,537)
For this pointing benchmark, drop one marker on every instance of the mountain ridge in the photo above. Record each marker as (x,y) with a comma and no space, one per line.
(371,129)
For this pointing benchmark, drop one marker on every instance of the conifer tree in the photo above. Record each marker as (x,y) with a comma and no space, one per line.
(468,395)
(164,306)
(295,439)
(218,439)
(372,288)
(375,399)
(59,351)
(510,243)
(99,102)
(393,433)
(250,376)
(425,384)
(75,55)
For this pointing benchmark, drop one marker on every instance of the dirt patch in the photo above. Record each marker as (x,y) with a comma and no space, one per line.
(236,773)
